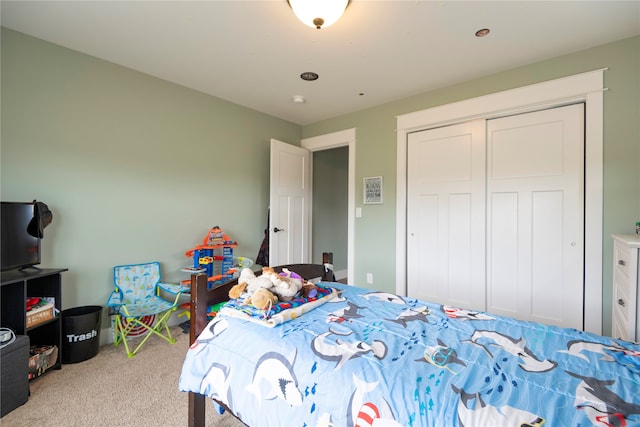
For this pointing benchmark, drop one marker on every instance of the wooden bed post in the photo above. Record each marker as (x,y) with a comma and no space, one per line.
(201,299)
(198,309)
(197,316)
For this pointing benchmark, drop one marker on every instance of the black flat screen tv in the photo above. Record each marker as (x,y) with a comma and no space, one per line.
(19,248)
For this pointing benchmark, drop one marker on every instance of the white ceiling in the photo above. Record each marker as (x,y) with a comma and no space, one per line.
(253,52)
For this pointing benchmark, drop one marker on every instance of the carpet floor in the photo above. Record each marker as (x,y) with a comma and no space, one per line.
(110,389)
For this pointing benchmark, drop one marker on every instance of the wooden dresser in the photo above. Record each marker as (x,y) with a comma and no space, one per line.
(626,277)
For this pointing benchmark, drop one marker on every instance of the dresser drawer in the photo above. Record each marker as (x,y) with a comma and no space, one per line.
(625,323)
(621,301)
(620,280)
(619,328)
(622,260)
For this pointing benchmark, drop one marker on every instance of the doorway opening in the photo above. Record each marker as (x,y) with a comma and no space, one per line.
(331,152)
(330,196)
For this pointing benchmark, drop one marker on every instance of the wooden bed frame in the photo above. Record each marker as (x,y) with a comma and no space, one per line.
(202,298)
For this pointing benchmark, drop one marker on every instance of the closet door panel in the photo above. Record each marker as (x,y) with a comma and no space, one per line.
(460,257)
(546,254)
(424,273)
(546,172)
(502,253)
(533,150)
(445,215)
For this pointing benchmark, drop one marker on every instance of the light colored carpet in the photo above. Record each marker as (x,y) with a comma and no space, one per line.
(112,390)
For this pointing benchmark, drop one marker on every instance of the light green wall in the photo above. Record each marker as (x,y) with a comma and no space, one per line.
(134,168)
(376,151)
(330,205)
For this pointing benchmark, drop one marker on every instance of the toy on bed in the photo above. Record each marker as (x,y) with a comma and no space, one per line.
(307,288)
(262,299)
(285,286)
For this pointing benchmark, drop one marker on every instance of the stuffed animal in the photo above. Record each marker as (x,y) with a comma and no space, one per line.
(254,283)
(290,274)
(292,278)
(309,290)
(237,290)
(285,286)
(262,299)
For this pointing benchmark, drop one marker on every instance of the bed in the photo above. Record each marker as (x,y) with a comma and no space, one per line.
(368,358)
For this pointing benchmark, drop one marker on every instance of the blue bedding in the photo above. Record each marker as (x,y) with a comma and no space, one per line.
(367,358)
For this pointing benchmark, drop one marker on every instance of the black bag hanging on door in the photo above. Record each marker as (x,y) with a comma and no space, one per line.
(263,253)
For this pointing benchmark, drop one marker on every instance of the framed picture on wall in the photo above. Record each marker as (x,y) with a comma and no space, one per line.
(372,190)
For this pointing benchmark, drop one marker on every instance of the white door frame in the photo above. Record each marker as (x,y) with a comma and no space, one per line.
(328,141)
(586,87)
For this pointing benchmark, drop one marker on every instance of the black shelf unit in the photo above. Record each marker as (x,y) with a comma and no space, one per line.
(16,287)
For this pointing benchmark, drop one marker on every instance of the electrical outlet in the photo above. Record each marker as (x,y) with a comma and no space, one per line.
(369,278)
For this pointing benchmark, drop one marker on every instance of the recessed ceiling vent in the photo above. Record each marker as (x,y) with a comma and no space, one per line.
(309,76)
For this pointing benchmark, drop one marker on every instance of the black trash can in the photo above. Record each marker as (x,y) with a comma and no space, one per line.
(80,333)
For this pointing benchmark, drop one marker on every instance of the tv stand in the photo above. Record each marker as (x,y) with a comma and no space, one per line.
(27,267)
(18,285)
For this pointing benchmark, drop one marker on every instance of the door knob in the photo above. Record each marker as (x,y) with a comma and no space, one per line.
(276,229)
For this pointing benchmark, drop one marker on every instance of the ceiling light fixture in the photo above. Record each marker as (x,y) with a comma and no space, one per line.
(318,13)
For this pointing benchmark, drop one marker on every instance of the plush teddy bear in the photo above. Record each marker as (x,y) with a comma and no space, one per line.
(262,299)
(290,274)
(237,290)
(284,285)
(254,283)
(293,278)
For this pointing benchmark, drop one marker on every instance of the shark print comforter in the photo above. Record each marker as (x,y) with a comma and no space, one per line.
(368,358)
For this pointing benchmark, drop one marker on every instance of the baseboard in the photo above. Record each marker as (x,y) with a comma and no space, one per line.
(340,274)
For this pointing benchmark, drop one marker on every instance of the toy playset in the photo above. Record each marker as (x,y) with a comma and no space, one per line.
(215,258)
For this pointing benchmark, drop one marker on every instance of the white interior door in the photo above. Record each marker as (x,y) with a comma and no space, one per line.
(446,211)
(535,232)
(290,204)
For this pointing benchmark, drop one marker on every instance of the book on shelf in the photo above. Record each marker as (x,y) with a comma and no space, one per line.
(39,310)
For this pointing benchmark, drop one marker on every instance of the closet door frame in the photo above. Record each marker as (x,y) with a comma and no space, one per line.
(585,87)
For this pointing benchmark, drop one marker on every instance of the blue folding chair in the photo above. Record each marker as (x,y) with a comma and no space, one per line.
(138,306)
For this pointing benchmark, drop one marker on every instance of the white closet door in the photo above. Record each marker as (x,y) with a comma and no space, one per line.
(446,215)
(535,227)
